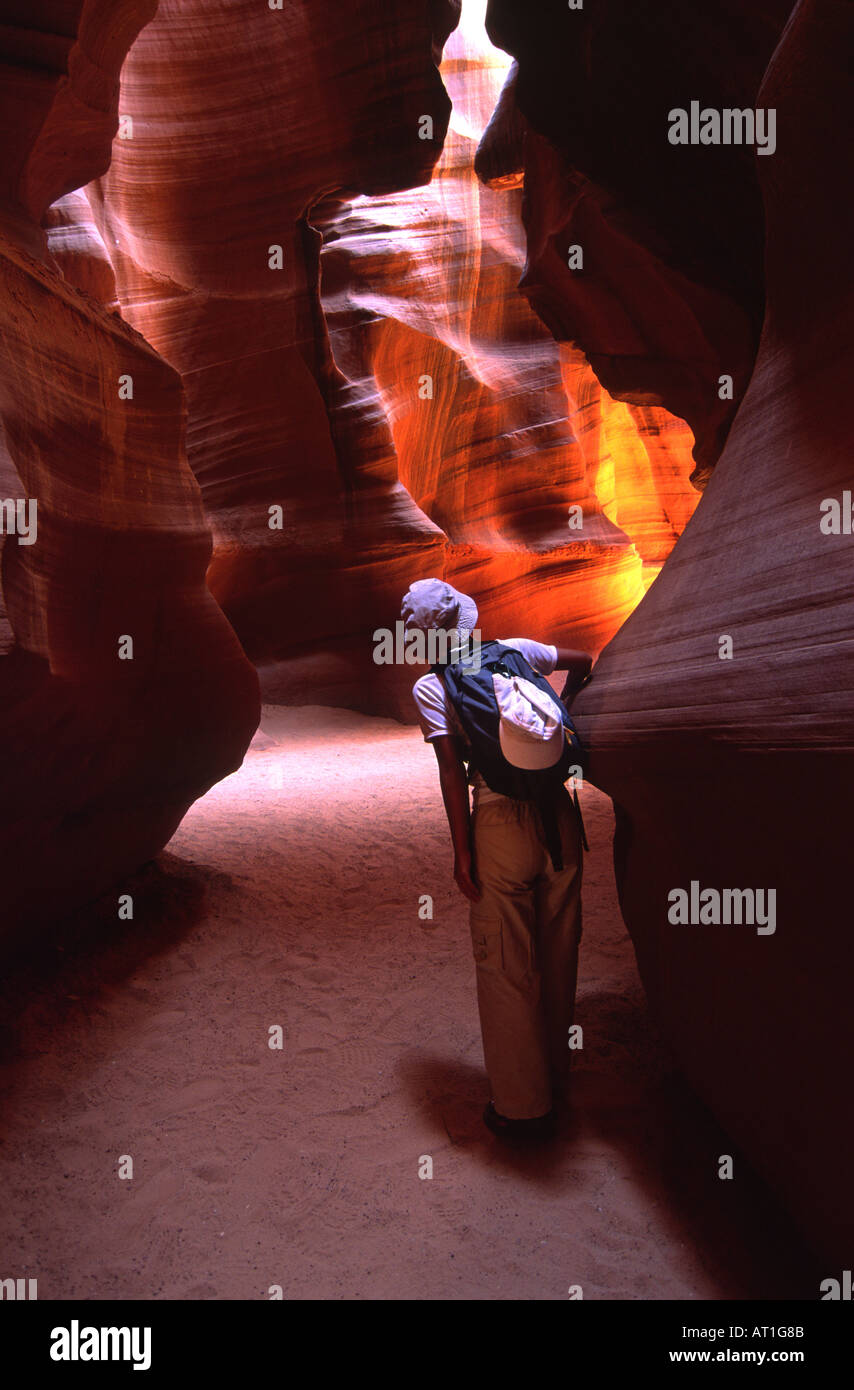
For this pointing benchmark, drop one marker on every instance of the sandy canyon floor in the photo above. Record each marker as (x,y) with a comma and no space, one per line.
(289,896)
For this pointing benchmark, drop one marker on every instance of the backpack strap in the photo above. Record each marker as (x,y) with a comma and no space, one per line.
(492,656)
(580,820)
(440,667)
(547,810)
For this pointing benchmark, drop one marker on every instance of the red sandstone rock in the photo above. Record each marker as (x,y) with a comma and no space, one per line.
(303,383)
(103,756)
(268,112)
(670,295)
(737,773)
(76,245)
(59,93)
(720,769)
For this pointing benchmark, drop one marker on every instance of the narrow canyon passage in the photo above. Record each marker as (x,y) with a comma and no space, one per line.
(289,896)
(303,307)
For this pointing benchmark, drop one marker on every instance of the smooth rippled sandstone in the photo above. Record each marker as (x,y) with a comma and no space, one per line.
(304,384)
(268,112)
(498,432)
(269,225)
(76,246)
(102,756)
(670,295)
(738,773)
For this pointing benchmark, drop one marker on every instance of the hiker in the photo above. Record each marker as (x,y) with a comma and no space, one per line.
(517,860)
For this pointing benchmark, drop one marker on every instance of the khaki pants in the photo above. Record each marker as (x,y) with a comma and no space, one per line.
(525,934)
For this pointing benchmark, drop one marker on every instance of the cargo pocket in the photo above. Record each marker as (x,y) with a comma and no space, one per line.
(487,942)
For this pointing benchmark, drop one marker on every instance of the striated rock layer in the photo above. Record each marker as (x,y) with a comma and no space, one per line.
(737,772)
(102,756)
(669,298)
(304,373)
(205,211)
(557,502)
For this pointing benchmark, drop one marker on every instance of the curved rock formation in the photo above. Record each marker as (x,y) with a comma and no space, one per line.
(735,772)
(304,371)
(669,298)
(76,246)
(368,398)
(103,753)
(496,431)
(206,212)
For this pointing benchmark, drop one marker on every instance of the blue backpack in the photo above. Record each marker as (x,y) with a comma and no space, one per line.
(472,694)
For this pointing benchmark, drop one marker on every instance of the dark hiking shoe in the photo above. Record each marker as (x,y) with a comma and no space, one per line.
(519,1131)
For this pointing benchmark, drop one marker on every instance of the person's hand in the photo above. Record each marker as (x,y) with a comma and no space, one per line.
(464,878)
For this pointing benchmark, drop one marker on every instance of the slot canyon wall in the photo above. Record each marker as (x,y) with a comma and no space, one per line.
(102,756)
(729,772)
(387,384)
(225,277)
(380,334)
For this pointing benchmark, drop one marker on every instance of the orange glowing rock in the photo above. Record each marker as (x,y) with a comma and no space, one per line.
(554,498)
(393,394)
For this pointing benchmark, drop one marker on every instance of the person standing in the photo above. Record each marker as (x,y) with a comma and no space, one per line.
(525,912)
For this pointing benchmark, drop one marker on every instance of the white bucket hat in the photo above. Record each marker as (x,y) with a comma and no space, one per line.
(530,728)
(431,605)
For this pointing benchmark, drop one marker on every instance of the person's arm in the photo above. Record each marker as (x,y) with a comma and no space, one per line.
(455,794)
(578,666)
